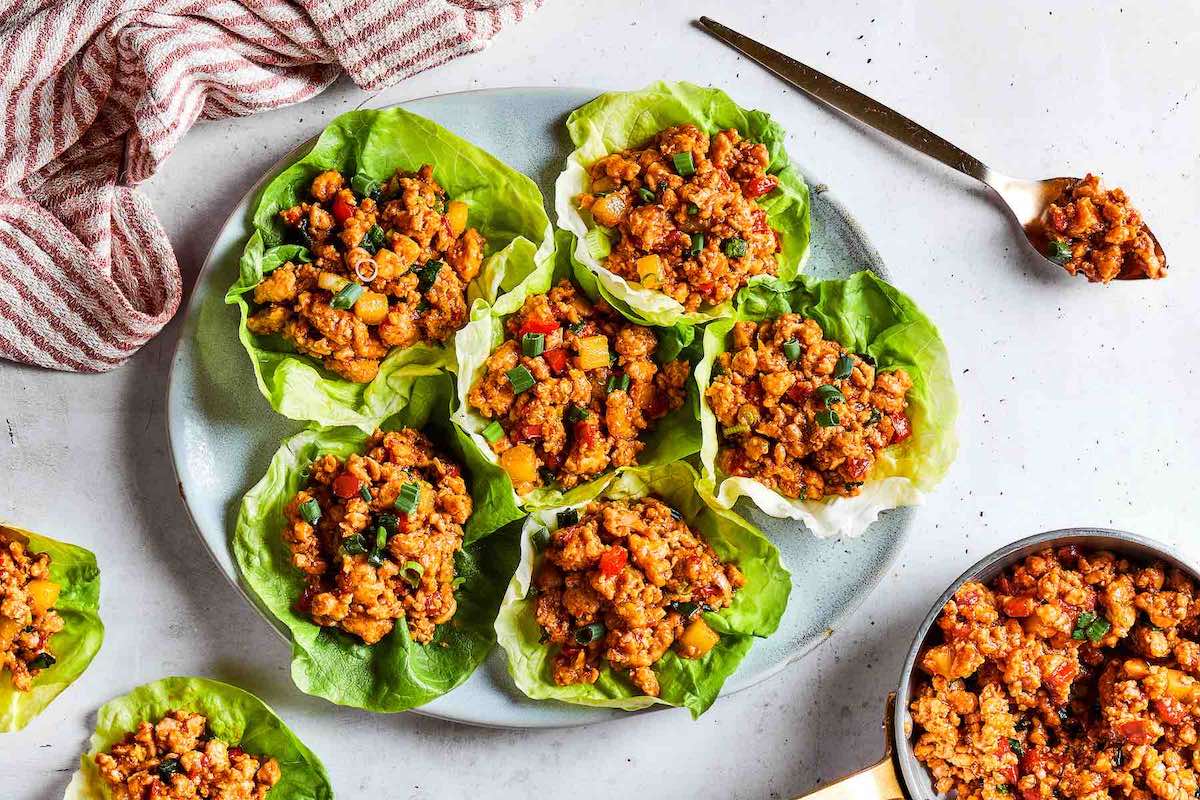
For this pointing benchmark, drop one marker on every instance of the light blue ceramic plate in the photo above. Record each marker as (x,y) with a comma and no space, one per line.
(223,433)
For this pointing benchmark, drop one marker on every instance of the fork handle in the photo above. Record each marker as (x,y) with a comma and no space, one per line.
(853,103)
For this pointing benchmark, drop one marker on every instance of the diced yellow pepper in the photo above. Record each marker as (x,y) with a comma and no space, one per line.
(593,352)
(697,639)
(520,463)
(650,271)
(9,628)
(456,215)
(43,594)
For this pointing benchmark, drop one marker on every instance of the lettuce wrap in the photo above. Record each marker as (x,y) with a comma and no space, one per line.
(865,315)
(396,673)
(235,716)
(74,570)
(504,205)
(620,120)
(694,684)
(672,438)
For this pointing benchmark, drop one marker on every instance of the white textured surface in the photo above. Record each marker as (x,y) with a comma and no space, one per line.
(1077,401)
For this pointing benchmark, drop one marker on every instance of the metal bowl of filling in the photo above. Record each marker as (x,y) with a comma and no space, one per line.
(1102,702)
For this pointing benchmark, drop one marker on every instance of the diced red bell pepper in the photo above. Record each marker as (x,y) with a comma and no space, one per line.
(556,360)
(303,604)
(613,560)
(453,471)
(1021,606)
(855,469)
(1170,711)
(551,460)
(761,223)
(586,432)
(901,427)
(346,486)
(1062,675)
(757,187)
(532,325)
(1136,731)
(799,391)
(1031,762)
(341,210)
(1008,771)
(531,431)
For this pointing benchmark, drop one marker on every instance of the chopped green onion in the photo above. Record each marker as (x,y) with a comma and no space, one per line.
(166,768)
(533,344)
(375,559)
(791,349)
(829,394)
(411,572)
(684,164)
(589,633)
(381,537)
(546,474)
(540,538)
(427,275)
(843,368)
(1098,630)
(1082,622)
(697,244)
(597,243)
(618,383)
(409,497)
(675,515)
(646,194)
(734,430)
(310,510)
(577,414)
(875,416)
(1060,251)
(374,239)
(692,209)
(827,418)
(734,247)
(568,516)
(347,297)
(688,609)
(43,660)
(364,186)
(388,521)
(354,545)
(1016,746)
(520,378)
(493,432)
(576,327)
(364,492)
(457,582)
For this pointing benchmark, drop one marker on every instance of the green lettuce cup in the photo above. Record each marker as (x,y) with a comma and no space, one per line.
(370,145)
(617,121)
(234,716)
(396,673)
(674,437)
(865,315)
(74,571)
(691,683)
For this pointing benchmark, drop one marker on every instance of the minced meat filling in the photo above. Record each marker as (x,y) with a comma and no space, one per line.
(799,413)
(1097,232)
(1073,676)
(176,759)
(27,616)
(375,536)
(391,269)
(571,389)
(685,211)
(622,585)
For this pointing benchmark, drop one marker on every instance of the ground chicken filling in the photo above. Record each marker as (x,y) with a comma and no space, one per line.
(622,583)
(391,267)
(176,759)
(799,413)
(27,616)
(1072,675)
(571,389)
(375,536)
(685,213)
(1096,232)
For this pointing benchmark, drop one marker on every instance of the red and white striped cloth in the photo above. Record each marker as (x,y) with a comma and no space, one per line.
(95,94)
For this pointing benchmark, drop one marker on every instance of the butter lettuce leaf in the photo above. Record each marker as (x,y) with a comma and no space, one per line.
(504,205)
(234,715)
(691,683)
(866,315)
(617,121)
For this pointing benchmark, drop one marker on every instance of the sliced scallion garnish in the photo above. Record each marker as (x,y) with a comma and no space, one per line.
(388,521)
(42,660)
(734,430)
(533,344)
(646,194)
(364,186)
(734,247)
(684,165)
(347,297)
(310,510)
(1060,251)
(589,633)
(617,383)
(540,538)
(520,378)
(791,349)
(494,432)
(411,572)
(427,275)
(353,545)
(827,418)
(364,492)
(843,368)
(577,414)
(409,497)
(568,516)
(697,244)
(829,394)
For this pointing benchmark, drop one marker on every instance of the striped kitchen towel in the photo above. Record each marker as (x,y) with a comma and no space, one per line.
(97,93)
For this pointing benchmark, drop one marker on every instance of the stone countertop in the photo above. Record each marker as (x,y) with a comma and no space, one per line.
(1074,398)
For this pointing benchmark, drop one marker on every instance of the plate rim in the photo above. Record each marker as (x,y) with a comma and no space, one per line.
(873,262)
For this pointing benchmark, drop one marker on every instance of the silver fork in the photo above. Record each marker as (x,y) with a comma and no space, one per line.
(1025,200)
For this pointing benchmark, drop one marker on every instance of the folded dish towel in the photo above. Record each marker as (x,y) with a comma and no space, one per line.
(97,93)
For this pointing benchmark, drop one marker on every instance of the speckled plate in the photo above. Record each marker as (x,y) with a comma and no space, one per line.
(223,433)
